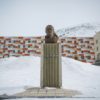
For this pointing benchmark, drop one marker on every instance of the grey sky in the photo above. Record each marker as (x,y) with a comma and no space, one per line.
(29,17)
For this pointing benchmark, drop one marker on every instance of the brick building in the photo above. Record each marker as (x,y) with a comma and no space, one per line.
(80,48)
(19,46)
(97,46)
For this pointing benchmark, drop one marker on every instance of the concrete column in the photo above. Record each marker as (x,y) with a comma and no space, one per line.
(51,71)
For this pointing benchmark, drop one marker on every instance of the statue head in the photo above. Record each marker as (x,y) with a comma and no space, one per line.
(51,36)
(49,30)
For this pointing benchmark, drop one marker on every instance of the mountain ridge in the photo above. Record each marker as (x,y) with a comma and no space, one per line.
(82,30)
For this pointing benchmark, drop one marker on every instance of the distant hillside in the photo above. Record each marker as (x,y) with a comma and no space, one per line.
(83,30)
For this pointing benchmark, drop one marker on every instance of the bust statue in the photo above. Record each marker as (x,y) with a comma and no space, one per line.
(51,36)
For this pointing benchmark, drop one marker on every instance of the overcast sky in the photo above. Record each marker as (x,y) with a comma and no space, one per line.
(29,17)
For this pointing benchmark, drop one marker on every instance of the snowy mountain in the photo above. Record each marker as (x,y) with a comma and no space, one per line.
(83,30)
(16,74)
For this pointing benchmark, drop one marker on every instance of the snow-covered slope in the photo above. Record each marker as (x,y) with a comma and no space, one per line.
(19,73)
(83,30)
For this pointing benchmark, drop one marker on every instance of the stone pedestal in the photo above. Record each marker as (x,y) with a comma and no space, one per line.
(51,71)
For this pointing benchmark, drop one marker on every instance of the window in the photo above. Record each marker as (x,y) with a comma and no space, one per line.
(88,57)
(18,46)
(98,56)
(29,41)
(14,41)
(28,51)
(18,51)
(13,51)
(68,51)
(23,46)
(82,46)
(9,41)
(81,41)
(9,46)
(82,57)
(97,48)
(34,41)
(96,41)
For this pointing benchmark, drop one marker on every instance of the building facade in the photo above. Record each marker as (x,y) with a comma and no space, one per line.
(80,48)
(97,46)
(20,46)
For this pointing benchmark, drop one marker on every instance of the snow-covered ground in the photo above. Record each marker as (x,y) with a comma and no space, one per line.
(58,99)
(16,74)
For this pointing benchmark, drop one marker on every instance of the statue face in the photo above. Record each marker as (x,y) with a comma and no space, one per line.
(49,30)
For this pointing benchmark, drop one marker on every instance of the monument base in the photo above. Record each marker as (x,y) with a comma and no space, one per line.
(45,93)
(51,72)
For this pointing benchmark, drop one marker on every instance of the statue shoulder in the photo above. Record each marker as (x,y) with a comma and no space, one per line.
(55,35)
(46,36)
